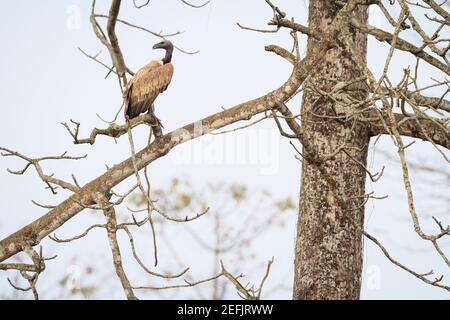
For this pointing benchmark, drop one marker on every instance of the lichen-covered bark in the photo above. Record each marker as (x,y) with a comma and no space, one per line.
(328,260)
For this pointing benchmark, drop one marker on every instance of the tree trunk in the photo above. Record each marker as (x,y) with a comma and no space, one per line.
(328,257)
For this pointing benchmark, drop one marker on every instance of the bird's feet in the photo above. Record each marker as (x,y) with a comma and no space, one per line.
(158,121)
(156,126)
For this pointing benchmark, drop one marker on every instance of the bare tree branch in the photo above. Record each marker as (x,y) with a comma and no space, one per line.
(37,230)
(424,129)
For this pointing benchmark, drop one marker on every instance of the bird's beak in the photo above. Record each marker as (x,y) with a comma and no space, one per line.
(157,46)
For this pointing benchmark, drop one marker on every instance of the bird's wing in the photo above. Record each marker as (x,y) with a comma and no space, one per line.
(145,86)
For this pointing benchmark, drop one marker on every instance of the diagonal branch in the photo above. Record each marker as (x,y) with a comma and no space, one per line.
(438,9)
(116,54)
(400,44)
(111,227)
(414,127)
(33,233)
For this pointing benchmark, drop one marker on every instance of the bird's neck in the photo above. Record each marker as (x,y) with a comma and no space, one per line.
(168,57)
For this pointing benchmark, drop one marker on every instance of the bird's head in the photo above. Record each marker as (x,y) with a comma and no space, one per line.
(168,46)
(165,44)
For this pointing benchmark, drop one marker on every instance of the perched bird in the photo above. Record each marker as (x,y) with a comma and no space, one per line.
(148,83)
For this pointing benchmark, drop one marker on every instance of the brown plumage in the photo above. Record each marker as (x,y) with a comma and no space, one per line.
(145,86)
(148,83)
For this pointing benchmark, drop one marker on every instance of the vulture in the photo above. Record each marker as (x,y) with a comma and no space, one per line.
(148,82)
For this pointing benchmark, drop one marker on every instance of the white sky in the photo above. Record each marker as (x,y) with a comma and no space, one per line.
(45,80)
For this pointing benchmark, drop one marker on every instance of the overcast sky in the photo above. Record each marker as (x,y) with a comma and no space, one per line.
(45,80)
